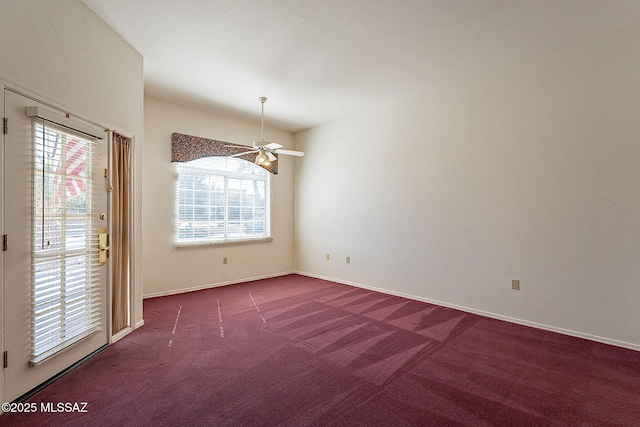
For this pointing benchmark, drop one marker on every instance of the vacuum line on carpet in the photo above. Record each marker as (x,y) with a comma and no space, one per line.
(175,325)
(220,318)
(256,306)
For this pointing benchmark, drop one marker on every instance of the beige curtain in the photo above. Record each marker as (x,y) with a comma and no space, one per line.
(120,251)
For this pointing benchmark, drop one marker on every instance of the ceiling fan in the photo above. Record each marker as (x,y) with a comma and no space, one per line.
(265,149)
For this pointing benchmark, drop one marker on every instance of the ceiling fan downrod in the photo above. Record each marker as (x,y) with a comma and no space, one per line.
(262,100)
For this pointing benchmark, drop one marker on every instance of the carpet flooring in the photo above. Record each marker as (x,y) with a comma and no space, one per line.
(297,351)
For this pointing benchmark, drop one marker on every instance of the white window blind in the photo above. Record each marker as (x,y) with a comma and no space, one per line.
(222,199)
(64,272)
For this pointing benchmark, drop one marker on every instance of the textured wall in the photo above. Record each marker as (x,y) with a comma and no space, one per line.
(529,172)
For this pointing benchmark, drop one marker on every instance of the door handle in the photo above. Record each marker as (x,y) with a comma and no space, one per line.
(103,246)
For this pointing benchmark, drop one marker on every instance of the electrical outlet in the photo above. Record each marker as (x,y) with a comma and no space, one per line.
(224,260)
(348,259)
(515,285)
(328,257)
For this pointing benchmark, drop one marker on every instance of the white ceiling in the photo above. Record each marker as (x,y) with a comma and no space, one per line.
(320,60)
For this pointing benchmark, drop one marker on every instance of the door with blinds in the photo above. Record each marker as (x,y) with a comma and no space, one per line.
(55,277)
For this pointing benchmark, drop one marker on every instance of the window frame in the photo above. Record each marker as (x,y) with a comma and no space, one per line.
(196,167)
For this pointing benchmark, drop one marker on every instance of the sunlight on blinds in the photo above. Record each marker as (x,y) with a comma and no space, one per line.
(220,199)
(65,289)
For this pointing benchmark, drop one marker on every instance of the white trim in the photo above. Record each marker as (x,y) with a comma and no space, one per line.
(515,320)
(214,285)
(126,331)
(220,242)
(140,323)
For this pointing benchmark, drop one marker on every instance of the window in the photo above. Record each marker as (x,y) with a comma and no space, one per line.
(64,265)
(222,199)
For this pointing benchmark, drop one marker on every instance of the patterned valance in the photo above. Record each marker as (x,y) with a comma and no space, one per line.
(186,147)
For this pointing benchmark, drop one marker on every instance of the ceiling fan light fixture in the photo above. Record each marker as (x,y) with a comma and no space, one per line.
(262,158)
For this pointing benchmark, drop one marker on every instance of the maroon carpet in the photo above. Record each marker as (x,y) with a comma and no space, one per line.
(299,351)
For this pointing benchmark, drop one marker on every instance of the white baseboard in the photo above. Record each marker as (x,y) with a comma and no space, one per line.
(515,320)
(214,285)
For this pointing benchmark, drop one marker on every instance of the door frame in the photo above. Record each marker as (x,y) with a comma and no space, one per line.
(2,232)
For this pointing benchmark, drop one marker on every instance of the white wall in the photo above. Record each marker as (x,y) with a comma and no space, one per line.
(64,52)
(531,172)
(168,269)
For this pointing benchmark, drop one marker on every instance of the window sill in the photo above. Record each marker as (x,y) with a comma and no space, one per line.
(218,243)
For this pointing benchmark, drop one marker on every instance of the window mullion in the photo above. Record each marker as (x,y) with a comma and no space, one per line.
(192,205)
(226,207)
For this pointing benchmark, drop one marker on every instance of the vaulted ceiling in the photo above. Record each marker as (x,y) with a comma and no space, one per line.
(321,60)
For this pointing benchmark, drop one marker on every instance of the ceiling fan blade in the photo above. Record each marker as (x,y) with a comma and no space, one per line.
(273,146)
(289,152)
(243,153)
(272,158)
(266,144)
